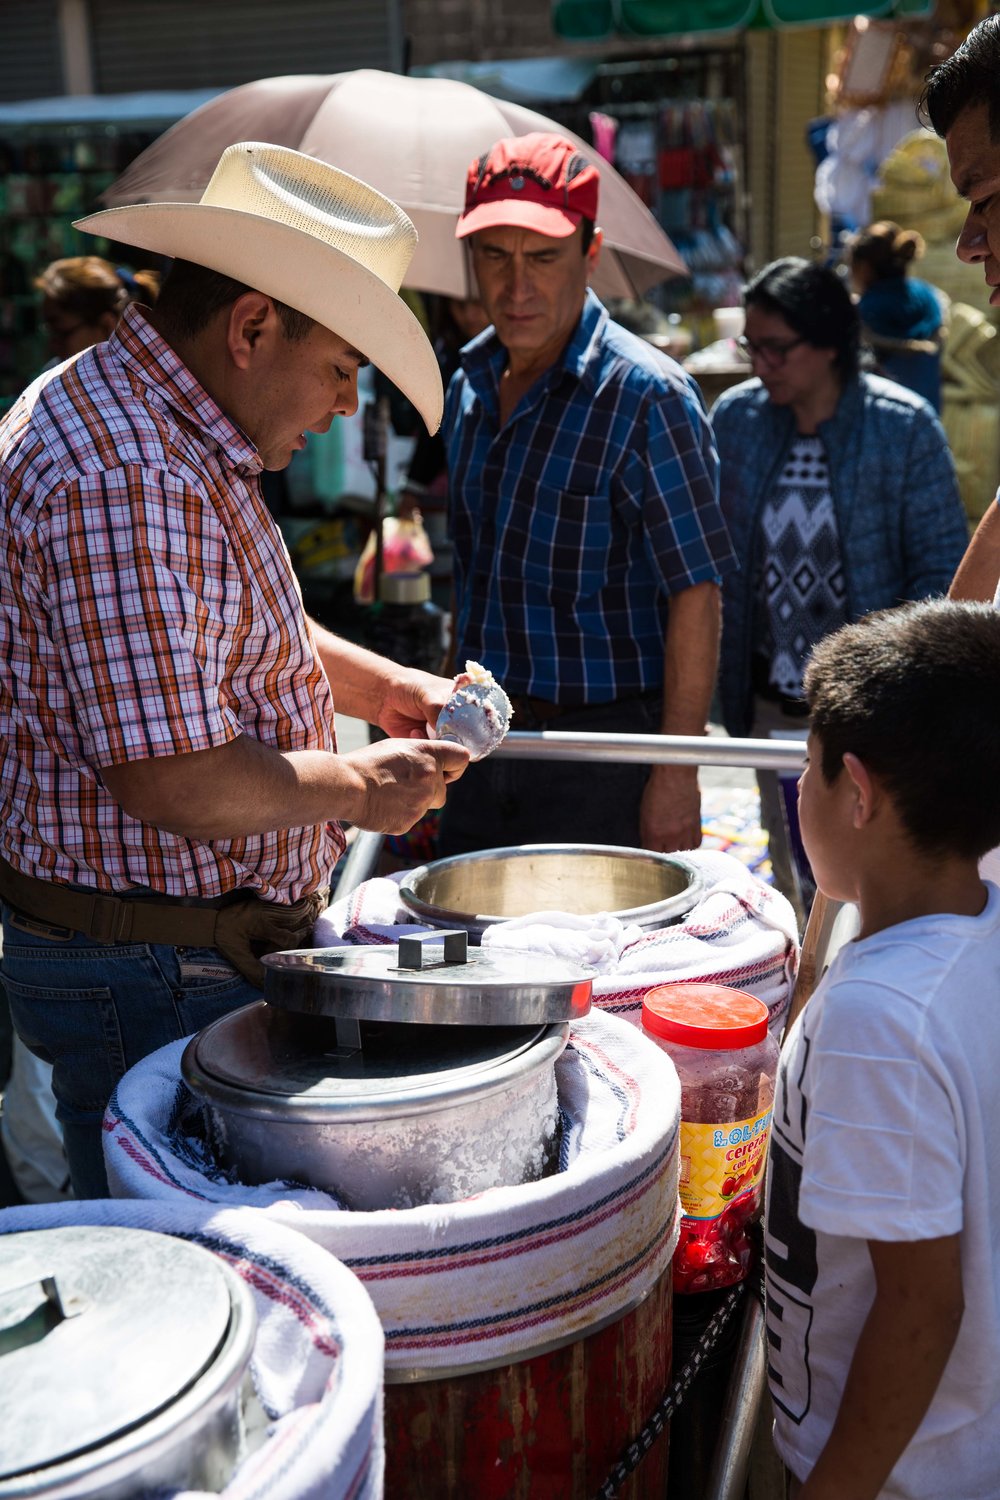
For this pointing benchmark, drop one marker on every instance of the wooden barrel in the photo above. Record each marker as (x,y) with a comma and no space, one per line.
(550,1427)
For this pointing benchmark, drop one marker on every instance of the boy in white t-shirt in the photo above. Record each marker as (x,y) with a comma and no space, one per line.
(883,1205)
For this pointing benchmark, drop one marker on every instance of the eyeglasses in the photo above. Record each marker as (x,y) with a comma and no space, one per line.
(773,352)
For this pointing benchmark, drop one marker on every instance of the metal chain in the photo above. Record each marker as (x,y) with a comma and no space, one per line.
(640,1445)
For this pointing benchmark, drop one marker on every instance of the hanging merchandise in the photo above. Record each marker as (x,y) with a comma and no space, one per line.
(697,177)
(635,157)
(604,130)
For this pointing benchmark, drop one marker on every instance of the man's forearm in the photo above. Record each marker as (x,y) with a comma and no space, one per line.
(237,790)
(358,678)
(246,788)
(979,571)
(691,659)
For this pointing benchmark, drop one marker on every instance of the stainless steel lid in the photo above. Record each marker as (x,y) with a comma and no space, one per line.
(101,1328)
(432,978)
(264,1061)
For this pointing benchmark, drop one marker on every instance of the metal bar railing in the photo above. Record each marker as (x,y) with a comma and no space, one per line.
(741,1409)
(657,749)
(360,862)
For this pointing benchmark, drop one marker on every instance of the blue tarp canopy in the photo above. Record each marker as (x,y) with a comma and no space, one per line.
(164,105)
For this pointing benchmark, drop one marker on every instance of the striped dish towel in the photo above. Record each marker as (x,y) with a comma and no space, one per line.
(741,932)
(494,1277)
(318,1351)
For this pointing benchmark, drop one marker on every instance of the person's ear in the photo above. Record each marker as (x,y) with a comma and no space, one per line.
(864,789)
(594,252)
(252,321)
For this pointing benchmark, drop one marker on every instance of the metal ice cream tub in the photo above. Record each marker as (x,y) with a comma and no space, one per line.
(390,1086)
(474,891)
(124,1363)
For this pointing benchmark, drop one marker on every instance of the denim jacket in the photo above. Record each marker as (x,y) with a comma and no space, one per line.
(902,527)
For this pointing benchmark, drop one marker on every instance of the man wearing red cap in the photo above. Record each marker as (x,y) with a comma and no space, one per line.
(588,538)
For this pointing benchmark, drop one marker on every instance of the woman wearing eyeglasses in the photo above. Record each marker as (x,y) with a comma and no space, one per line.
(840,496)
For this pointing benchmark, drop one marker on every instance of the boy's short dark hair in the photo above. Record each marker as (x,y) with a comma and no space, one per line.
(966,79)
(191,295)
(914,692)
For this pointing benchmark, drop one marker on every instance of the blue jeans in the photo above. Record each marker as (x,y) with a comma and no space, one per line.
(93,1010)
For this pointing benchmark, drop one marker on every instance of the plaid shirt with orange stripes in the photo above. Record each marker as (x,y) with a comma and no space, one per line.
(147,607)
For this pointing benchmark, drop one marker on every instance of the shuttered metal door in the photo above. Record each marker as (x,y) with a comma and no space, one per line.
(30,60)
(187,44)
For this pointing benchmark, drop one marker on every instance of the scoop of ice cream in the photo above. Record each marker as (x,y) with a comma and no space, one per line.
(477,714)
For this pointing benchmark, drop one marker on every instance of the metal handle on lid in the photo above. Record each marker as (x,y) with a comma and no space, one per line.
(414,951)
(30,1309)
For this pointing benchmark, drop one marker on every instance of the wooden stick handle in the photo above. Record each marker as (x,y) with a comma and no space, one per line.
(815,941)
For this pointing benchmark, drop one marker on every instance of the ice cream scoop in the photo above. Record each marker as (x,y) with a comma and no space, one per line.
(478,713)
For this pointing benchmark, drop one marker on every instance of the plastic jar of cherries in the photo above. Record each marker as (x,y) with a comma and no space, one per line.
(727,1062)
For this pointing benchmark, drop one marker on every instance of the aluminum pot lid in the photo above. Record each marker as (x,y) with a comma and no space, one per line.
(303,1064)
(101,1327)
(433,978)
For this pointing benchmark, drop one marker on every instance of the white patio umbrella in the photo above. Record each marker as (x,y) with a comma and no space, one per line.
(413,139)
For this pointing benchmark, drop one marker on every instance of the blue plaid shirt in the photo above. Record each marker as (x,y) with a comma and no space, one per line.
(574,523)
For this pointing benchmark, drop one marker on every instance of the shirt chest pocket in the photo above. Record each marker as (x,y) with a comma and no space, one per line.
(564,546)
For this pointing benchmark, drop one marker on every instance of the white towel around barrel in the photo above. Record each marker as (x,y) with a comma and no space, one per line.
(491,1278)
(317,1359)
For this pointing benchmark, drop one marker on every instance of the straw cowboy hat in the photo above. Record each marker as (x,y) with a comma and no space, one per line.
(313,237)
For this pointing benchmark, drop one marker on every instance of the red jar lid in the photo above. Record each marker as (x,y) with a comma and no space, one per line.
(704,1015)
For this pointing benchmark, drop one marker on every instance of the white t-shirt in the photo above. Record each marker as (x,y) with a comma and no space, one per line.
(887,1127)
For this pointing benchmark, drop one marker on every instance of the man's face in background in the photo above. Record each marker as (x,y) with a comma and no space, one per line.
(975,171)
(532,287)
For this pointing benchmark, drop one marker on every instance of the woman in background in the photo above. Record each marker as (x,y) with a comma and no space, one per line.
(840,496)
(84,296)
(901,315)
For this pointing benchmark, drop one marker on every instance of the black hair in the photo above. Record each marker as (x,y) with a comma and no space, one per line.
(191,296)
(814,302)
(914,692)
(587,237)
(968,78)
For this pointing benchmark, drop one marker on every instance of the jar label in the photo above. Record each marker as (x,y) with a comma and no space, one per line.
(719,1162)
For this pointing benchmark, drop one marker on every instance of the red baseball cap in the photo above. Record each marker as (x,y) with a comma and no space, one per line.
(538,181)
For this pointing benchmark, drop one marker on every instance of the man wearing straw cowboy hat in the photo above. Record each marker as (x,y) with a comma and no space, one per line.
(170,775)
(586,525)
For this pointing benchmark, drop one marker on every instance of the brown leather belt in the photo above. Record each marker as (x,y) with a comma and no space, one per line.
(240,926)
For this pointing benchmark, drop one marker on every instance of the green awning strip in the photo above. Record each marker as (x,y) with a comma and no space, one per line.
(645,17)
(594,20)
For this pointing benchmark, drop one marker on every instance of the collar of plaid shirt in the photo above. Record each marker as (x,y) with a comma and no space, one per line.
(153,362)
(155,612)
